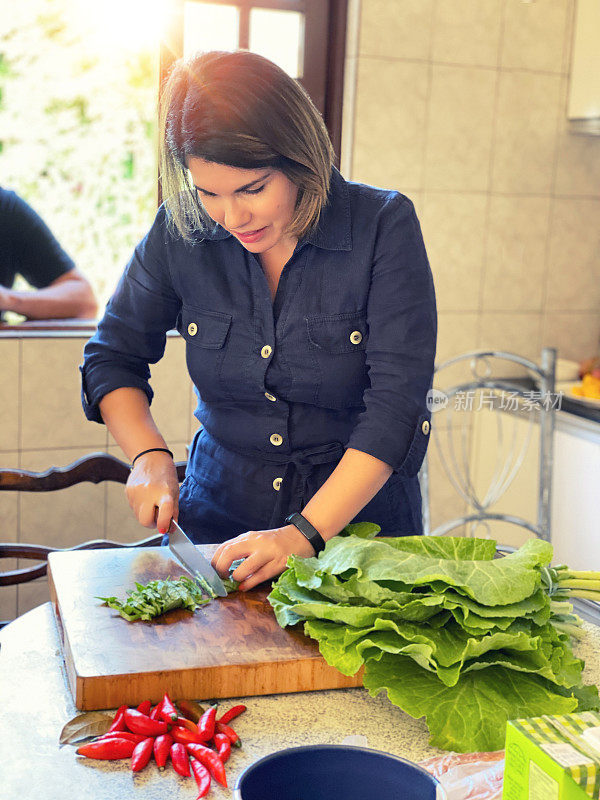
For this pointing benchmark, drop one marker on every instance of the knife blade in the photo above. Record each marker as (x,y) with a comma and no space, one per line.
(192,559)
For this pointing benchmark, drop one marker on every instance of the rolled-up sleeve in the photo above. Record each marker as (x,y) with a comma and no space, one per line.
(132,333)
(400,350)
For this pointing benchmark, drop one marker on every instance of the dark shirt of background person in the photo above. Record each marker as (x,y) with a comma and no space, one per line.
(29,248)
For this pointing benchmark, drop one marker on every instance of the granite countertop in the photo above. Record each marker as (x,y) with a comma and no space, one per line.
(36,703)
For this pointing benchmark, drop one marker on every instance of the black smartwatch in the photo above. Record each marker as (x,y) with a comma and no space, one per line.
(308,530)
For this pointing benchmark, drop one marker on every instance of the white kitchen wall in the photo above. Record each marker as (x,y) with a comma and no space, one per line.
(462,106)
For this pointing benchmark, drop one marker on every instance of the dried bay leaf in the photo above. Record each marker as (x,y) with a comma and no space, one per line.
(85,726)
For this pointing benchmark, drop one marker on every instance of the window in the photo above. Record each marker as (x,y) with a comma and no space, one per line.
(79,99)
(306,38)
(78,124)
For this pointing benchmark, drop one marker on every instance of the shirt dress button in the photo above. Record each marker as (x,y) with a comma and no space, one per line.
(266,351)
(356,337)
(192,329)
(276,439)
(270,397)
(425,427)
(277,484)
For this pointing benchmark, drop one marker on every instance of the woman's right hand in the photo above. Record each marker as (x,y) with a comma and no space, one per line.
(152,490)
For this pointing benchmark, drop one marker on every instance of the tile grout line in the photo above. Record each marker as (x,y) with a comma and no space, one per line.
(488,203)
(354,90)
(428,92)
(461,65)
(552,198)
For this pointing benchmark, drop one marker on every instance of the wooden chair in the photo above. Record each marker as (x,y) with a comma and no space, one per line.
(93,468)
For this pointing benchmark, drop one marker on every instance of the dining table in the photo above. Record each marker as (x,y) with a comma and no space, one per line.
(36,702)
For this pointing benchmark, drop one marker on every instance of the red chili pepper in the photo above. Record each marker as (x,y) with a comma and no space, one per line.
(133,737)
(211,761)
(202,776)
(141,755)
(183,736)
(107,749)
(229,732)
(140,723)
(146,706)
(182,722)
(168,711)
(118,723)
(155,713)
(231,714)
(162,748)
(206,724)
(223,746)
(180,759)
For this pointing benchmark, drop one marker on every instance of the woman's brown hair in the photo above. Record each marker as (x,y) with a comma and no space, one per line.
(238,108)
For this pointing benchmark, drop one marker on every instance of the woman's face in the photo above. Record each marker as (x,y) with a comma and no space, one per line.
(255,205)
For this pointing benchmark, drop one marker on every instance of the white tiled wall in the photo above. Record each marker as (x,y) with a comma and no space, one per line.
(461,105)
(42,425)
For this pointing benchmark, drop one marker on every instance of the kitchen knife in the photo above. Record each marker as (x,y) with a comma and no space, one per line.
(185,551)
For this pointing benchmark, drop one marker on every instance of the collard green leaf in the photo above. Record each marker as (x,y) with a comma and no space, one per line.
(459,548)
(450,632)
(364,530)
(587,697)
(337,645)
(85,726)
(470,716)
(495,582)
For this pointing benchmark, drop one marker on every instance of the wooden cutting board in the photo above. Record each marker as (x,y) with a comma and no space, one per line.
(231,647)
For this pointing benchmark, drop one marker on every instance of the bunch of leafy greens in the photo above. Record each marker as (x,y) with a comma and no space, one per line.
(157,597)
(459,637)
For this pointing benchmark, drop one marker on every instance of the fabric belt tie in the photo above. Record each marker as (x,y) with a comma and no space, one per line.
(292,494)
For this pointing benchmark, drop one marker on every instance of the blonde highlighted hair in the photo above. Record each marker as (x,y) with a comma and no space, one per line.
(238,108)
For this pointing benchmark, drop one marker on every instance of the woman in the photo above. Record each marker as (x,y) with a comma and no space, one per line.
(308,308)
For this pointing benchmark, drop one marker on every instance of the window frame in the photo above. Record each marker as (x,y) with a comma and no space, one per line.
(324,51)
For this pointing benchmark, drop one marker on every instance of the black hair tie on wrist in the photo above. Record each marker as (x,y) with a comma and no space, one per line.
(153,450)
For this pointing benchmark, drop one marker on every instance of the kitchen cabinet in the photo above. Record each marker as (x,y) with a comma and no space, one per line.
(584,86)
(576,492)
(575,507)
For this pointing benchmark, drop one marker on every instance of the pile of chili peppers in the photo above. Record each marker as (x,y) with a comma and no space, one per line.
(196,741)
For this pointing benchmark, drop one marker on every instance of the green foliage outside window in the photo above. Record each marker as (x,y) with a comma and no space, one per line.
(78,132)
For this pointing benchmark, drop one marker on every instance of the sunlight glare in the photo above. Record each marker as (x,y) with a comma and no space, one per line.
(126,25)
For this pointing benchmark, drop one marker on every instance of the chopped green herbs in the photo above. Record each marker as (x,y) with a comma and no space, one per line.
(160,596)
(451,633)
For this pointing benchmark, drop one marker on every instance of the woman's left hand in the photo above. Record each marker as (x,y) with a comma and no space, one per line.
(265,554)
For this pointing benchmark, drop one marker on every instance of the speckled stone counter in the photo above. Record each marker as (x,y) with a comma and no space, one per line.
(35,703)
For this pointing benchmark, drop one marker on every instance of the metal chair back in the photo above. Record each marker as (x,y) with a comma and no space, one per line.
(513,398)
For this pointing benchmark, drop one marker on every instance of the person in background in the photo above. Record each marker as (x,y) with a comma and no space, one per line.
(29,248)
(308,308)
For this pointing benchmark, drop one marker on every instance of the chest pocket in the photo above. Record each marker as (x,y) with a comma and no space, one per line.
(205,333)
(337,344)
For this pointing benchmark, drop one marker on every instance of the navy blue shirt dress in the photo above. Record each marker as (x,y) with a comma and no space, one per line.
(343,357)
